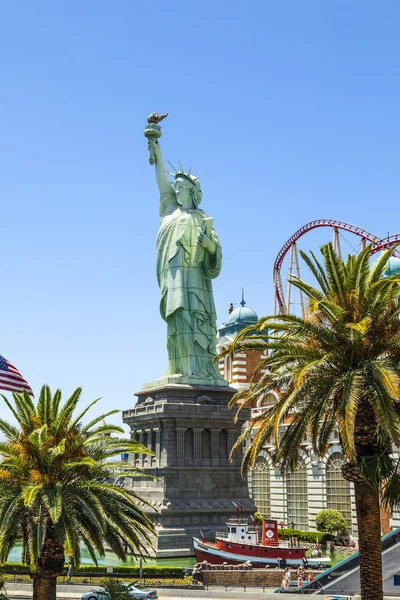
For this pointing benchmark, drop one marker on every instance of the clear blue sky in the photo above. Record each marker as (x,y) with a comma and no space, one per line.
(288,110)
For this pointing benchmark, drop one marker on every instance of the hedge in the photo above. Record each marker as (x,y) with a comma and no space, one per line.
(306,536)
(148,571)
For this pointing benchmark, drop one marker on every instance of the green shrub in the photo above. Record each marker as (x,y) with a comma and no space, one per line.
(89,569)
(306,536)
(148,571)
(151,571)
(314,536)
(17,568)
(115,589)
(331,521)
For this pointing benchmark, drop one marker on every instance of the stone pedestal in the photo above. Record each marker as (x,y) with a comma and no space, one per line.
(191,430)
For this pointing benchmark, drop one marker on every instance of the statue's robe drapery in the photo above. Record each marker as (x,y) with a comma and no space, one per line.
(184,273)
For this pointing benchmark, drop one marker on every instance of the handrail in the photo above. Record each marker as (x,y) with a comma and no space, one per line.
(346,565)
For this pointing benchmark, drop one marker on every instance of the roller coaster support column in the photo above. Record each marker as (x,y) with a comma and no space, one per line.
(294,269)
(336,241)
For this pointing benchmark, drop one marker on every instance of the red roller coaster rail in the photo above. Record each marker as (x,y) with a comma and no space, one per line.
(366,236)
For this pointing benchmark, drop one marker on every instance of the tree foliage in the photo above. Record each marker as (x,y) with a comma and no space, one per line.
(55,487)
(338,368)
(331,521)
(116,589)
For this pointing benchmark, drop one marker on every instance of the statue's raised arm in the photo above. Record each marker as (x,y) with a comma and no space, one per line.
(163,182)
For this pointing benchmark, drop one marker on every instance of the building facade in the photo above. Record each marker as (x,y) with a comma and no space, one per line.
(298,496)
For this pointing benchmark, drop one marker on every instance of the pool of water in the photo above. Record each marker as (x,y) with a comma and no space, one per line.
(112,560)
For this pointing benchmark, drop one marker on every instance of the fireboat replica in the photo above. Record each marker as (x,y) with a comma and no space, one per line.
(241,544)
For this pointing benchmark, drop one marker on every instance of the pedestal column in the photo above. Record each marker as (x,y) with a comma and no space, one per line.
(156,458)
(197,431)
(133,459)
(180,445)
(215,447)
(140,456)
(232,437)
(147,457)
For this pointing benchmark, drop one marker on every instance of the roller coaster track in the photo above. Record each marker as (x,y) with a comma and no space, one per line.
(385,243)
(366,236)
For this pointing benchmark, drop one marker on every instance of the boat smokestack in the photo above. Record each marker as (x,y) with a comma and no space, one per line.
(269,536)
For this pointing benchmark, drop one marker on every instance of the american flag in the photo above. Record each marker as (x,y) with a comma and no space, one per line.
(11,379)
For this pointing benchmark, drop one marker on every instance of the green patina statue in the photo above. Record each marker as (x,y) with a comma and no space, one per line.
(189,256)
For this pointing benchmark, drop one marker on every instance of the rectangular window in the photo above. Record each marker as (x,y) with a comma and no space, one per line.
(396,580)
(233,529)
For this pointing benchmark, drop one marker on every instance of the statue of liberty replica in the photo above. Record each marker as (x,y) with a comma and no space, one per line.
(183,417)
(189,256)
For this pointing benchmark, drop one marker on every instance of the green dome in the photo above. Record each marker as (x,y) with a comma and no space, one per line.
(242,316)
(393,267)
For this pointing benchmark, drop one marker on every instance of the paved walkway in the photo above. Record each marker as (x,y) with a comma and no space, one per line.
(64,592)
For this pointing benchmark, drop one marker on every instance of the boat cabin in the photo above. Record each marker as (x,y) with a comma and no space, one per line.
(240,532)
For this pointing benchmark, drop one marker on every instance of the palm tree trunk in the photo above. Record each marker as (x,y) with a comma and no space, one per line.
(44,588)
(369,539)
(51,563)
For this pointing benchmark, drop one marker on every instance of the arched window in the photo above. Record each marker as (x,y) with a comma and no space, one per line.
(261,486)
(297,496)
(267,400)
(228,367)
(337,488)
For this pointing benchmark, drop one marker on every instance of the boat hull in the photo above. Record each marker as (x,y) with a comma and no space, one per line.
(217,556)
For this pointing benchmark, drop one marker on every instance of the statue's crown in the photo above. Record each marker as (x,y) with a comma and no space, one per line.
(197,193)
(182,175)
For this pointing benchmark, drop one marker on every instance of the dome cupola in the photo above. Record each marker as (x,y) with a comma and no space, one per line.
(239,318)
(393,267)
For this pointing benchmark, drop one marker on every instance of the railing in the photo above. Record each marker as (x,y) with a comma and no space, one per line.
(259,410)
(346,565)
(237,521)
(222,534)
(142,409)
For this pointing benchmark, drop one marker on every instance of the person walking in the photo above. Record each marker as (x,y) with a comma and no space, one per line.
(69,574)
(300,576)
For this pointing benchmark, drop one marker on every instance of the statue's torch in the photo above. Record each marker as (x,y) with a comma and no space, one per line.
(153,132)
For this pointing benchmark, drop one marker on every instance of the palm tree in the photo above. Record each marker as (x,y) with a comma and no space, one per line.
(55,488)
(338,368)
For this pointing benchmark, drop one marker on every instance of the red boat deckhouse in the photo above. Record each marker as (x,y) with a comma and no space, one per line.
(240,543)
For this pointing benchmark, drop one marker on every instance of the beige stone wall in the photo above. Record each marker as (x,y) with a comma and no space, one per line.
(254,577)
